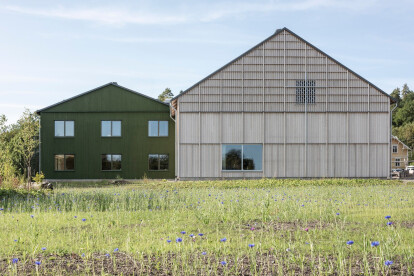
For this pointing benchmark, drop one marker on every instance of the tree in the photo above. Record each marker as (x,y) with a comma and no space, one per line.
(166,95)
(406,91)
(26,140)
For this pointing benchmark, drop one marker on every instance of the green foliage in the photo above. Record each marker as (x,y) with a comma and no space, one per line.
(38,178)
(167,94)
(292,224)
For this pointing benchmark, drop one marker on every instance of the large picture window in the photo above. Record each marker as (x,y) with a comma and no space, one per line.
(111,162)
(242,157)
(64,128)
(111,128)
(64,162)
(158,162)
(305,91)
(158,128)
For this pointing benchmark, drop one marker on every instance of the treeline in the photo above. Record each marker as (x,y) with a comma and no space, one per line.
(19,149)
(403,116)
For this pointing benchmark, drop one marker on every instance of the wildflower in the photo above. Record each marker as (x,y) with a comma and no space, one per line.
(84,219)
(191,235)
(306,229)
(200,234)
(31,216)
(108,255)
(83,255)
(75,216)
(223,239)
(387,217)
(179,240)
(223,262)
(204,253)
(116,249)
(15,260)
(388,263)
(251,245)
(182,232)
(389,223)
(337,214)
(374,243)
(38,262)
(15,240)
(350,242)
(252,228)
(43,248)
(168,241)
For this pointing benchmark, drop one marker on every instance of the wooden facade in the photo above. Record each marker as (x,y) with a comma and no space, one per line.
(342,130)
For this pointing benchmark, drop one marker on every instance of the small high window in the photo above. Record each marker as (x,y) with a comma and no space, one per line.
(111,162)
(111,128)
(394,149)
(64,128)
(64,162)
(305,91)
(158,128)
(158,162)
(242,157)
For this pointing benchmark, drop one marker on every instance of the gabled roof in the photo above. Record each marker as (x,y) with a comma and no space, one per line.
(398,140)
(97,88)
(279,31)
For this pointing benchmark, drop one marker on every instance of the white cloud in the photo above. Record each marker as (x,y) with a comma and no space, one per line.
(201,13)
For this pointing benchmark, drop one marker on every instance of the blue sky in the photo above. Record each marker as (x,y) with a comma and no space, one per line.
(53,50)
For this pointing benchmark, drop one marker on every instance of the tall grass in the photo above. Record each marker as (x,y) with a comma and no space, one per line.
(297,225)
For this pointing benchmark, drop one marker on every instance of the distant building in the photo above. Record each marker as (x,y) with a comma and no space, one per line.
(399,154)
(107,132)
(282,109)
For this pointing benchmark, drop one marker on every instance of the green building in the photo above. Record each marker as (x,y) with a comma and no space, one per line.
(107,133)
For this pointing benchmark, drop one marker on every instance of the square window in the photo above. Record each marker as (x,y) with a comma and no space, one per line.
(64,128)
(64,162)
(158,162)
(111,162)
(158,128)
(111,128)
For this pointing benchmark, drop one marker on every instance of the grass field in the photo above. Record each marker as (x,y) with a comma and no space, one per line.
(248,227)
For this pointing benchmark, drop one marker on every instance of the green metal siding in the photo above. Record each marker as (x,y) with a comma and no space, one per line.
(110,103)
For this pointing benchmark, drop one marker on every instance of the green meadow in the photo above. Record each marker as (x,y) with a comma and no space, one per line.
(239,227)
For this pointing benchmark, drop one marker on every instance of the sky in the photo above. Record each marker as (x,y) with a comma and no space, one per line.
(53,50)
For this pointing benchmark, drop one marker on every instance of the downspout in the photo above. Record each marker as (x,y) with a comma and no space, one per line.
(176,143)
(390,148)
(40,144)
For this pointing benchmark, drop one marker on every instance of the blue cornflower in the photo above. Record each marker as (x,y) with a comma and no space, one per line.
(191,235)
(251,245)
(204,253)
(116,249)
(75,216)
(15,240)
(223,239)
(168,241)
(84,219)
(15,260)
(389,223)
(223,262)
(337,214)
(350,242)
(31,216)
(83,255)
(182,232)
(388,263)
(374,243)
(43,248)
(200,234)
(178,240)
(108,255)
(38,262)
(387,217)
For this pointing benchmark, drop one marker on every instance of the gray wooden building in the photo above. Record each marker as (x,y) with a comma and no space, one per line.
(282,109)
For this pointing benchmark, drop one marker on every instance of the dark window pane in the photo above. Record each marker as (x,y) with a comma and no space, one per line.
(59,128)
(152,128)
(252,157)
(59,162)
(116,162)
(163,128)
(106,162)
(69,128)
(163,162)
(116,128)
(153,162)
(106,128)
(231,157)
(70,162)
